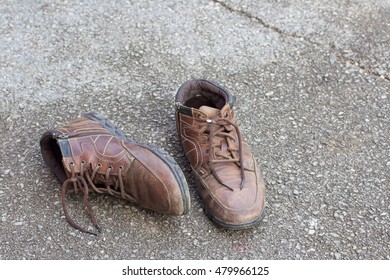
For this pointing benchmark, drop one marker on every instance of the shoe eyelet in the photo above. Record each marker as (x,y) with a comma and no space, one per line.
(71,163)
(83,161)
(121,167)
(111,167)
(99,164)
(207,150)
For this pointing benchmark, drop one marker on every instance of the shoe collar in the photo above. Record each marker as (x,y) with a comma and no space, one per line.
(213,93)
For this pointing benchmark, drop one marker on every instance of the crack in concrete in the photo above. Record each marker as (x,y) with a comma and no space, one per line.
(284,33)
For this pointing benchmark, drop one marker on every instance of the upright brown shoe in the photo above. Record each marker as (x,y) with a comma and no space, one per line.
(91,154)
(228,178)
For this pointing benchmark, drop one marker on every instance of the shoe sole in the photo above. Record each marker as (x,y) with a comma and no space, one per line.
(163,155)
(235,226)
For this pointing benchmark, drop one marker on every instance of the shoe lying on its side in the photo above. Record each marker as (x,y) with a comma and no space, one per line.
(229,180)
(91,154)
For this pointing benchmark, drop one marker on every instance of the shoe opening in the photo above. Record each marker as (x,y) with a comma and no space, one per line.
(197,93)
(52,156)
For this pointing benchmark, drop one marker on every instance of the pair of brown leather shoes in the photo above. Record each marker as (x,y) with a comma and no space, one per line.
(91,154)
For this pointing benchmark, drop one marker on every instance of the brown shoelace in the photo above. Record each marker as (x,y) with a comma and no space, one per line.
(224,129)
(83,180)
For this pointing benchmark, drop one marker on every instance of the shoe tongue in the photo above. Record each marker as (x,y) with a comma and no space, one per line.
(210,112)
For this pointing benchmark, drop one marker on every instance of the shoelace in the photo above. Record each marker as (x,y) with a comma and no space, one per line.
(225,131)
(82,181)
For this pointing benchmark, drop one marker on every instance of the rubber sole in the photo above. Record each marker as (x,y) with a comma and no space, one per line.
(163,155)
(235,226)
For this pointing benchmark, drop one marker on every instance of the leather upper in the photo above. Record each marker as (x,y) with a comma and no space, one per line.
(216,149)
(84,145)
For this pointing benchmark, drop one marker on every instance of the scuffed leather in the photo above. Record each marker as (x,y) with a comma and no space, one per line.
(146,177)
(237,207)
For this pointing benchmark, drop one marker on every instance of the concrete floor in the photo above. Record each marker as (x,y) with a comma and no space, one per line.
(312,81)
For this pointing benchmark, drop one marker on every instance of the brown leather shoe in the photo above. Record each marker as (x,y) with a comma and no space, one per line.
(91,154)
(228,179)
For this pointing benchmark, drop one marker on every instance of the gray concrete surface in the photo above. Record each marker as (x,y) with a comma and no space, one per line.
(312,80)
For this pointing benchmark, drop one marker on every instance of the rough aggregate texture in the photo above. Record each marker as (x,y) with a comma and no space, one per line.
(312,81)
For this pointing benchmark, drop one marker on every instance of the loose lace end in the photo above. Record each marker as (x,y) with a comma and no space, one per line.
(242,183)
(98,228)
